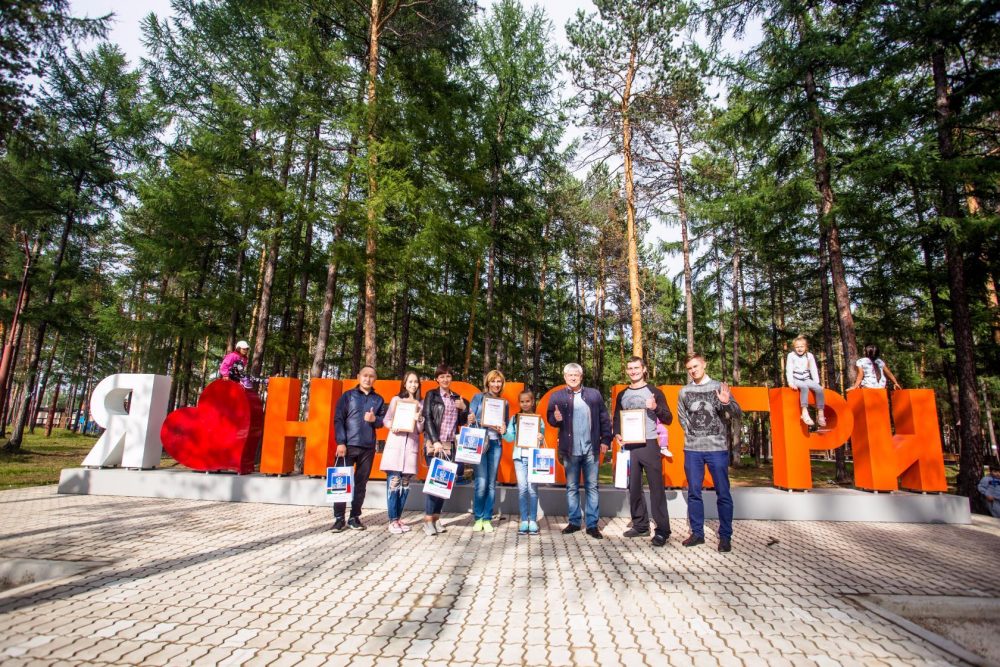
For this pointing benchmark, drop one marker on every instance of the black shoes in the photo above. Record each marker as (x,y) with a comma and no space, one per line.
(725,545)
(354,523)
(570,528)
(660,539)
(596,534)
(694,540)
(339,525)
(632,532)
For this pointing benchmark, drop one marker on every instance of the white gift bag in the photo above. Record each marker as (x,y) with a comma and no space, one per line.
(470,445)
(623,463)
(541,465)
(441,475)
(340,484)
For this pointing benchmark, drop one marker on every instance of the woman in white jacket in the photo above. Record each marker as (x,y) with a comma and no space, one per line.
(802,373)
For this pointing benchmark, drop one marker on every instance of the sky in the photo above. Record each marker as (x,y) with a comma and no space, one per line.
(127,34)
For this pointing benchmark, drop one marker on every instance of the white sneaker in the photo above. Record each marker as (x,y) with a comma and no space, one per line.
(429,529)
(438,528)
(394,528)
(806,419)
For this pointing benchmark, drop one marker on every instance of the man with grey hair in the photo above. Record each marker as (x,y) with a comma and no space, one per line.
(584,436)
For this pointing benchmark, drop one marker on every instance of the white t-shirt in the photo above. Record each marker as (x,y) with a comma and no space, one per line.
(868,378)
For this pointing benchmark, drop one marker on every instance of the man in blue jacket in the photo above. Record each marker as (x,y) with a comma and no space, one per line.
(584,436)
(359,412)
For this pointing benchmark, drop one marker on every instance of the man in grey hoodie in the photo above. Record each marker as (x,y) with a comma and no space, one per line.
(705,408)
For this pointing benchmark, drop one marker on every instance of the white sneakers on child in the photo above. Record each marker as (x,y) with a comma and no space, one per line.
(806,419)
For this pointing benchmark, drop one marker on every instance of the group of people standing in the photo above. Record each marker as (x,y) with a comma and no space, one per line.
(706,410)
(586,432)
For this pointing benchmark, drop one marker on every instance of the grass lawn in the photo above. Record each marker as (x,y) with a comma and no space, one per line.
(41,459)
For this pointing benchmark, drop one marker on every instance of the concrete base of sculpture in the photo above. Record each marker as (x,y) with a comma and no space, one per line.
(756,503)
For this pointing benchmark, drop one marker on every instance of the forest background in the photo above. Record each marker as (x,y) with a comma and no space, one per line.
(404,182)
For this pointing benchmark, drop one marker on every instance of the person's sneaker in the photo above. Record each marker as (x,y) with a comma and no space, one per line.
(570,528)
(477,526)
(487,526)
(666,453)
(533,527)
(522,529)
(403,527)
(806,419)
(595,533)
(725,545)
(693,540)
(660,539)
(821,419)
(354,523)
(429,529)
(339,525)
(632,532)
(497,516)
(394,528)
(438,527)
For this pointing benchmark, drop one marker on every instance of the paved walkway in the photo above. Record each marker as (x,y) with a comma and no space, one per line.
(186,582)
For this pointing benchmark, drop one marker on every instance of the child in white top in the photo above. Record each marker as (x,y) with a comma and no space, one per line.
(802,373)
(872,371)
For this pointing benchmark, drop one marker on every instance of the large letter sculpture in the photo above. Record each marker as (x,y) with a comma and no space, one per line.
(132,438)
(282,426)
(913,455)
(221,433)
(791,440)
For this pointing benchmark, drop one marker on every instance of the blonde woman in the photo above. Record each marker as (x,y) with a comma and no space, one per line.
(486,471)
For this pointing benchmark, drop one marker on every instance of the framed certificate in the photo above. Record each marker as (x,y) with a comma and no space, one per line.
(405,416)
(493,409)
(528,427)
(633,424)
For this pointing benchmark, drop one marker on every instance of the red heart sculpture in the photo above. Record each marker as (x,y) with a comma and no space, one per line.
(222,432)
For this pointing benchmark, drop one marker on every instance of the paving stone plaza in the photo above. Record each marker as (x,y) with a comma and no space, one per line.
(178,582)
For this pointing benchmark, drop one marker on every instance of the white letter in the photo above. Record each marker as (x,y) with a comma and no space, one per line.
(132,438)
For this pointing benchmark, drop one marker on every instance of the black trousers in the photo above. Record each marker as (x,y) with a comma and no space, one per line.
(362,459)
(648,459)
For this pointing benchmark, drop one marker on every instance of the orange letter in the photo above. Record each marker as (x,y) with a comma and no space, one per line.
(791,440)
(282,426)
(913,455)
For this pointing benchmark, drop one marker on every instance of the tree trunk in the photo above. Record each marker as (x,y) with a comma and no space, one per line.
(536,343)
(371,230)
(686,251)
(737,289)
(472,319)
(491,267)
(359,331)
(404,335)
(828,227)
(970,468)
(50,417)
(840,453)
(37,405)
(632,241)
(300,317)
(271,263)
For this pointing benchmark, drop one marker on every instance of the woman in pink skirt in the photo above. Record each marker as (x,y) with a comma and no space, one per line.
(399,459)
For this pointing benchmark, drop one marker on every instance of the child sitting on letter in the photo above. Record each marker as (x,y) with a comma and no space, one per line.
(801,373)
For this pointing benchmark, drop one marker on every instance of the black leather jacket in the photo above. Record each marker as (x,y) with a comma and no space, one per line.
(434,413)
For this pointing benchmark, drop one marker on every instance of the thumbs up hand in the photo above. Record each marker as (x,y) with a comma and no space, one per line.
(370,416)
(557,414)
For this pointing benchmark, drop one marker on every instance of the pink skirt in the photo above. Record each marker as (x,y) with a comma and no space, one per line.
(400,453)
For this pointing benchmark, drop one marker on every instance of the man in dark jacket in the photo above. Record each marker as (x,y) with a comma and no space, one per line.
(584,435)
(358,414)
(644,455)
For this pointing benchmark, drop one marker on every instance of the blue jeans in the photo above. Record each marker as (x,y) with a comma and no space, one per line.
(718,466)
(397,488)
(588,464)
(486,482)
(527,494)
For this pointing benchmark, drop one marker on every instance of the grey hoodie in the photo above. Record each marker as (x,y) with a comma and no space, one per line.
(704,418)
